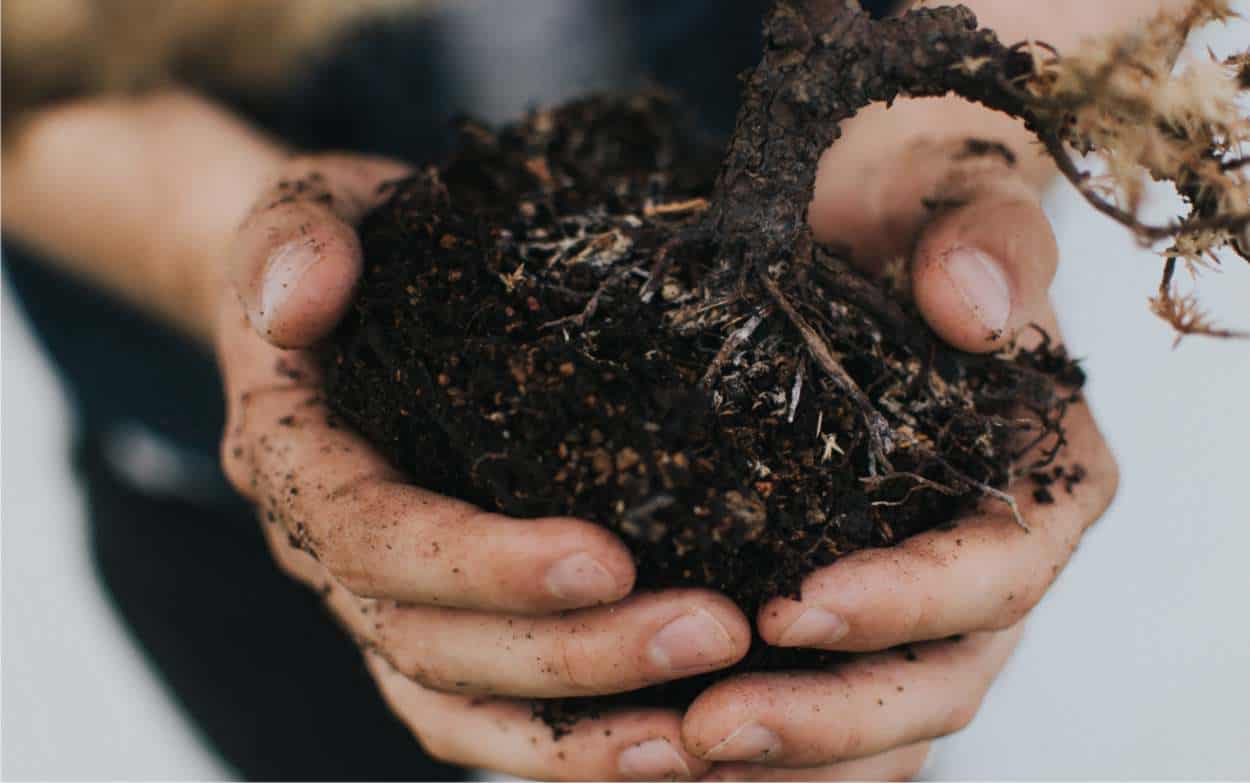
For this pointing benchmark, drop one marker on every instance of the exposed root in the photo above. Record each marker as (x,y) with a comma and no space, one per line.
(920,482)
(676,207)
(880,436)
(1184,314)
(664,256)
(796,393)
(579,320)
(988,491)
(736,339)
(998,494)
(648,508)
(1146,232)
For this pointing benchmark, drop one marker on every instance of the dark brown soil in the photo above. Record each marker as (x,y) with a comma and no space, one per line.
(546,326)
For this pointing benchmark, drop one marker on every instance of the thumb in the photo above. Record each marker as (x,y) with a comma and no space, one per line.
(981,248)
(296,257)
(983,265)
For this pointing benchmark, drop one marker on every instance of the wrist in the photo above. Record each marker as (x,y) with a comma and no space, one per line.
(138,195)
(213,173)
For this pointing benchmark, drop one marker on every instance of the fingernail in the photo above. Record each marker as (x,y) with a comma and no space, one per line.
(286,266)
(693,641)
(748,742)
(814,628)
(980,281)
(581,579)
(655,759)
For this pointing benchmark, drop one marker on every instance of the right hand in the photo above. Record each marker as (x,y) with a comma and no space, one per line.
(452,602)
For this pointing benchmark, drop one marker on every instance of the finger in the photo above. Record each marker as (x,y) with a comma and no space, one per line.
(380,536)
(901,764)
(298,564)
(983,573)
(983,266)
(503,736)
(982,250)
(871,191)
(641,641)
(870,705)
(384,538)
(296,257)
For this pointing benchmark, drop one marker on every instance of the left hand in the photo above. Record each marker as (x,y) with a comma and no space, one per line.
(979,271)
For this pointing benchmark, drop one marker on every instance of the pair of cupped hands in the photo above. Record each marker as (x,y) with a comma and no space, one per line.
(465,615)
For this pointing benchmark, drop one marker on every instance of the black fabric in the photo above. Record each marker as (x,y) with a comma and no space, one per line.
(118,364)
(253,658)
(271,683)
(381,91)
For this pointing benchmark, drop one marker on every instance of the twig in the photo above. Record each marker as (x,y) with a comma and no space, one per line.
(1183,313)
(1144,231)
(648,507)
(795,393)
(998,494)
(664,258)
(921,483)
(663,262)
(880,437)
(675,207)
(579,320)
(733,342)
(986,489)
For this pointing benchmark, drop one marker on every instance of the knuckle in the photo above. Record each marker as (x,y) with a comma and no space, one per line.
(849,744)
(355,579)
(300,164)
(410,665)
(285,562)
(350,558)
(1113,477)
(910,767)
(574,665)
(236,466)
(411,661)
(1019,602)
(291,562)
(1013,612)
(348,540)
(917,620)
(1109,479)
(961,716)
(439,746)
(235,456)
(299,567)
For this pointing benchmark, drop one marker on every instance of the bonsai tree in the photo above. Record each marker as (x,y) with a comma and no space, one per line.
(594,313)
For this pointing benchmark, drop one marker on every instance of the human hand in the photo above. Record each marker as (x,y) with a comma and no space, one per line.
(453,603)
(980,266)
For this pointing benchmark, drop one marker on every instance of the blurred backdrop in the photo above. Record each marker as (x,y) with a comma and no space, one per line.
(1136,665)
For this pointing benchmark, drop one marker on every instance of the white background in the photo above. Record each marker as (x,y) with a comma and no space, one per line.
(1137,664)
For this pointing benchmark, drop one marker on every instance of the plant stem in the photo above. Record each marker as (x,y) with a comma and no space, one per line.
(824,61)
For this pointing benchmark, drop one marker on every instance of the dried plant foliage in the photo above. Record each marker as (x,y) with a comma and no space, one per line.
(1125,99)
(1183,311)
